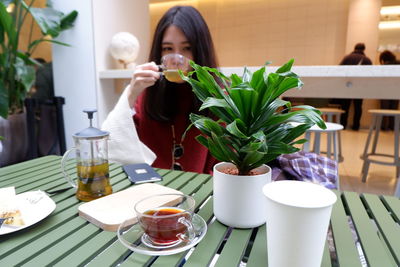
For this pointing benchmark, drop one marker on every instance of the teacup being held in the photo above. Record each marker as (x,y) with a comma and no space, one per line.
(171,64)
(166,219)
(92,163)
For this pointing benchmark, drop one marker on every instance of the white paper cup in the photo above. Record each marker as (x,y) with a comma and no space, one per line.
(297,220)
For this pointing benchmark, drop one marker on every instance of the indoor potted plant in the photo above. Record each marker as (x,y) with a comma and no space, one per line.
(250,126)
(17,72)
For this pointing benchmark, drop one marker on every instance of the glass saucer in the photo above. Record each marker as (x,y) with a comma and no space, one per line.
(131,237)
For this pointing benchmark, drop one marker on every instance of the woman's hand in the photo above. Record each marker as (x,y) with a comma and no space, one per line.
(145,75)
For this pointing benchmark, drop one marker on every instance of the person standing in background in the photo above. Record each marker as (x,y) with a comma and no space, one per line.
(388,58)
(357,57)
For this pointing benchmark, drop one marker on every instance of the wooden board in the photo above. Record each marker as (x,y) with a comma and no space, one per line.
(110,211)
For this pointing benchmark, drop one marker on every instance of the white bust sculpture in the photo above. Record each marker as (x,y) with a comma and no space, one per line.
(125,47)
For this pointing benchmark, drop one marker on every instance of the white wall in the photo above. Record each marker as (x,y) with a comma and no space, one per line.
(76,68)
(364,16)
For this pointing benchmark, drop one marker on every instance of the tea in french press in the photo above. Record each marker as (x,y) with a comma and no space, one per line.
(91,162)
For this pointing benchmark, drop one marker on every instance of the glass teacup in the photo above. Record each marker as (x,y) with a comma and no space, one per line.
(171,63)
(166,219)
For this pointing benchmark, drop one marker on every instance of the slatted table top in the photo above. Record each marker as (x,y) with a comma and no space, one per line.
(365,228)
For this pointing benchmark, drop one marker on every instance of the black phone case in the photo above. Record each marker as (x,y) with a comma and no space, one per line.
(141,173)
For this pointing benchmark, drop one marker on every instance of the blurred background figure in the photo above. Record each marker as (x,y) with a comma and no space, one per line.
(388,58)
(357,57)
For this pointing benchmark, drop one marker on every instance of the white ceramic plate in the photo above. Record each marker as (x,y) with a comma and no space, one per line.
(34,207)
(131,238)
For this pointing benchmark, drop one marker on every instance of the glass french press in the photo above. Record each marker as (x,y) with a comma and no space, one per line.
(91,146)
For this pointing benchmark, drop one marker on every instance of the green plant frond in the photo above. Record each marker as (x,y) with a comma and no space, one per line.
(199,90)
(214,102)
(259,136)
(214,127)
(249,159)
(225,80)
(202,140)
(282,148)
(226,116)
(301,116)
(258,80)
(308,107)
(7,23)
(254,146)
(287,84)
(216,151)
(286,67)
(24,73)
(37,42)
(243,100)
(262,120)
(224,148)
(204,77)
(236,80)
(48,19)
(299,142)
(233,129)
(67,21)
(295,132)
(247,75)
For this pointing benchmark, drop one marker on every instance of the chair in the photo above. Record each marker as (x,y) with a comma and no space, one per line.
(374,129)
(45,121)
(331,114)
(332,129)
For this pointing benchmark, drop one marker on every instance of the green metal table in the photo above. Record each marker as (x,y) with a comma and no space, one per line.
(364,228)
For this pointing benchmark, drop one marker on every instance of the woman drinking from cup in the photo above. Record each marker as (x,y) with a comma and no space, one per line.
(161,107)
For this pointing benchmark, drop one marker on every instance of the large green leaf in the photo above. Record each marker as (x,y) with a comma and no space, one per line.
(37,42)
(48,19)
(24,73)
(236,80)
(234,130)
(286,67)
(243,100)
(67,21)
(214,102)
(7,24)
(258,80)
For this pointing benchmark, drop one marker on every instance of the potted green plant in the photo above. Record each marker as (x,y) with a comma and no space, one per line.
(17,72)
(251,125)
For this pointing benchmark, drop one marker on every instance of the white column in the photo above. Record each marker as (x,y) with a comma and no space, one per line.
(363,22)
(76,68)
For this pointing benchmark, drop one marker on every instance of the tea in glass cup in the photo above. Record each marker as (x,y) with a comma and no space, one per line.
(166,219)
(171,64)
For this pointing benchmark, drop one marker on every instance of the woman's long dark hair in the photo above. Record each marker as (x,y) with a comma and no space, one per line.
(161,101)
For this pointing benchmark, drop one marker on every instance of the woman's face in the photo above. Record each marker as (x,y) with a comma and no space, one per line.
(174,41)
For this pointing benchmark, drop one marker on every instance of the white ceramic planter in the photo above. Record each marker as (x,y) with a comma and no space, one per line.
(238,200)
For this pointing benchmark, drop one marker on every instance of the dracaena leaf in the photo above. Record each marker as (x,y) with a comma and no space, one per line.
(214,102)
(234,130)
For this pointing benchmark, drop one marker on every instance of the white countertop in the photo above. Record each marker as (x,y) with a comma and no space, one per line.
(302,71)
(373,82)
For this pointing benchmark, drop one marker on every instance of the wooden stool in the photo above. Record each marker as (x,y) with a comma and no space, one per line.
(377,115)
(332,130)
(333,115)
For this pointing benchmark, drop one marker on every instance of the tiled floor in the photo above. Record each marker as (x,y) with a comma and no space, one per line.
(381,178)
